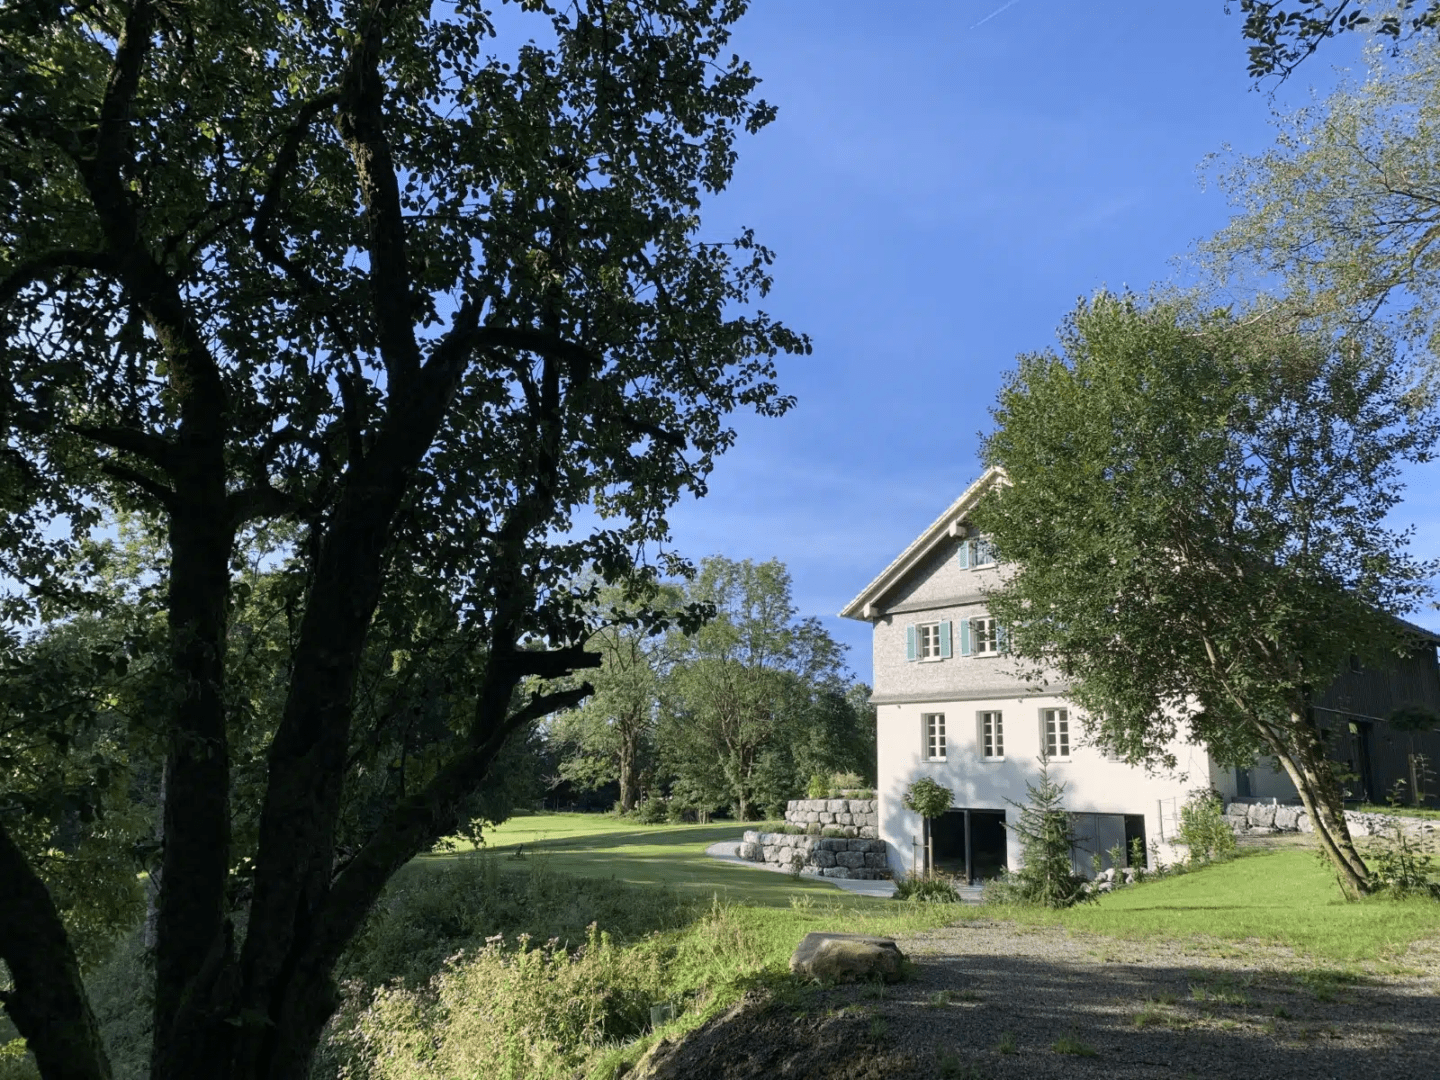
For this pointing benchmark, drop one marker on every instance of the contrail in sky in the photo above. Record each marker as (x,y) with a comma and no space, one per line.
(997,11)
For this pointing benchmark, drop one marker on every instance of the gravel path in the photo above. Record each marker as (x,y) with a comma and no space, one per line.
(992,1000)
(1138,1010)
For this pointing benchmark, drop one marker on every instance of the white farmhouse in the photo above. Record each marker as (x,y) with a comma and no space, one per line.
(949,707)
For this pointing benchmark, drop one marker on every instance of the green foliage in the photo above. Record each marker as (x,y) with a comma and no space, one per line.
(1402,865)
(928,798)
(421,288)
(1047,876)
(758,699)
(818,788)
(525,1011)
(430,912)
(1341,212)
(1203,828)
(1172,469)
(926,889)
(652,811)
(1283,36)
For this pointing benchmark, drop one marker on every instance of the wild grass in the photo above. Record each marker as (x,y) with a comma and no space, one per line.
(1285,898)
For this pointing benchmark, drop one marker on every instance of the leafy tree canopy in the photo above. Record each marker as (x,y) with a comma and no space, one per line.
(1339,219)
(1195,508)
(427,287)
(1284,35)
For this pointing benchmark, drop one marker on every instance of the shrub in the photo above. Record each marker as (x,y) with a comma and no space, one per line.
(1203,828)
(1046,878)
(846,781)
(818,788)
(927,889)
(515,1012)
(1400,867)
(652,811)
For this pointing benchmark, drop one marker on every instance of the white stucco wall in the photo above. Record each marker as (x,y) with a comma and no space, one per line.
(1093,784)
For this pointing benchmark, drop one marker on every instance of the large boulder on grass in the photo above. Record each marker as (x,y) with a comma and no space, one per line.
(847,957)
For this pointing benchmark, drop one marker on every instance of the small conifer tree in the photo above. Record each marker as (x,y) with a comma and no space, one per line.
(1048,876)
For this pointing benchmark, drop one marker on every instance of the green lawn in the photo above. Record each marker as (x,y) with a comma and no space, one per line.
(1284,897)
(601,846)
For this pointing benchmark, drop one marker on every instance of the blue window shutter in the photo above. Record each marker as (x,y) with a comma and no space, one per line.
(965,637)
(964,556)
(910,642)
(945,640)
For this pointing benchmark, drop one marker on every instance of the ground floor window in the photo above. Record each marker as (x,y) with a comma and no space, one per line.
(1055,730)
(934,725)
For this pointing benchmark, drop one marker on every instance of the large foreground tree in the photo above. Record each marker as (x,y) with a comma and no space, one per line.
(423,289)
(1195,510)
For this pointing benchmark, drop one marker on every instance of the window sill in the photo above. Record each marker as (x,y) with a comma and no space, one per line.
(930,659)
(992,760)
(936,760)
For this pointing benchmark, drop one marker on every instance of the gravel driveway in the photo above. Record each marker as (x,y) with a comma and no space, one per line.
(995,1000)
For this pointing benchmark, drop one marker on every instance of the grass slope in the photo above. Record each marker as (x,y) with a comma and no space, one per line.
(604,847)
(1286,898)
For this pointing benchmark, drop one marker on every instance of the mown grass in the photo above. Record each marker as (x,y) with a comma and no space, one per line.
(1286,898)
(671,856)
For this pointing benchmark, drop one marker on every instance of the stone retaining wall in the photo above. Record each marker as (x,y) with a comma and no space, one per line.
(855,818)
(1255,817)
(819,856)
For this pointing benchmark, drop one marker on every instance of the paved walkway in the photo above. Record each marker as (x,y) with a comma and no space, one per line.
(725,852)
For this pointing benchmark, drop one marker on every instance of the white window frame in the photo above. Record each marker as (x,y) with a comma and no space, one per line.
(1061,746)
(981,554)
(927,641)
(990,636)
(990,733)
(932,734)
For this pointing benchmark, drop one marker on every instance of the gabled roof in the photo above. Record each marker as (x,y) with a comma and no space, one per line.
(944,527)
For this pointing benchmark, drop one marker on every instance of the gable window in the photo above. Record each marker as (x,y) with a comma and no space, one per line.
(934,724)
(928,641)
(975,553)
(1055,733)
(992,736)
(981,637)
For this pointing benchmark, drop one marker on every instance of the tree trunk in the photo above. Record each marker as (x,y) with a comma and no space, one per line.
(1309,770)
(629,751)
(191,936)
(48,1005)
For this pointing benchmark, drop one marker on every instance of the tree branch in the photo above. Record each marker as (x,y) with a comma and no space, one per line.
(48,1005)
(555,663)
(31,270)
(362,125)
(161,493)
(153,448)
(260,500)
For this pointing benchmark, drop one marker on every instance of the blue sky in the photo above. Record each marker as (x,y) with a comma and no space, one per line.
(940,187)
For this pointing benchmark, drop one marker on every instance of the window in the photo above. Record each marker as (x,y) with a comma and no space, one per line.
(975,553)
(984,637)
(934,724)
(928,641)
(1055,730)
(992,736)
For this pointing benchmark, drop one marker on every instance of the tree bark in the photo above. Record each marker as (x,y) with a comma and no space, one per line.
(1305,762)
(629,751)
(48,1005)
